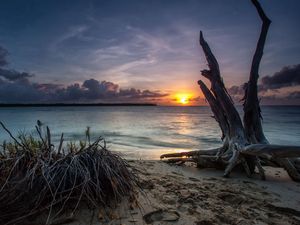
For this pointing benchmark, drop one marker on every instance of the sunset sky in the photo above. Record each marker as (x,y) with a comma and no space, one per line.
(142,50)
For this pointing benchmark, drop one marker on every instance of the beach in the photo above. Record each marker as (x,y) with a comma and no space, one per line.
(172,194)
(186,195)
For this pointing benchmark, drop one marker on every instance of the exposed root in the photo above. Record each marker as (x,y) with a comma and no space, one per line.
(234,160)
(290,168)
(261,170)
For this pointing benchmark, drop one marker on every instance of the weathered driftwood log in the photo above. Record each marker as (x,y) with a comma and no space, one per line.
(244,143)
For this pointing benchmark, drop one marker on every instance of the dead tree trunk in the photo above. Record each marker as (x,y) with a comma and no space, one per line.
(244,143)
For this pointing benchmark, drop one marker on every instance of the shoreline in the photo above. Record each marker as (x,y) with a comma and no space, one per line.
(73,104)
(12,105)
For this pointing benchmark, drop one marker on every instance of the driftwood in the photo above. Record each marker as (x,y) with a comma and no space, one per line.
(244,143)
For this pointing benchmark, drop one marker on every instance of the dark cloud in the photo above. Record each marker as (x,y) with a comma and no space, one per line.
(96,89)
(9,74)
(13,75)
(270,87)
(236,90)
(288,76)
(25,91)
(18,92)
(136,93)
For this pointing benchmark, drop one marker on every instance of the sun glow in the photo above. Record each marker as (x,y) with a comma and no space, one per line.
(183,99)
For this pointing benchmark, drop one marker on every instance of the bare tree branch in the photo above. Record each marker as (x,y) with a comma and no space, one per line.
(252,112)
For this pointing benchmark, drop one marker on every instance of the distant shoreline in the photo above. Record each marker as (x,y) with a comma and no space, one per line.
(75,104)
(3,105)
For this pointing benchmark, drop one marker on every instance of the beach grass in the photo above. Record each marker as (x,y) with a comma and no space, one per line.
(37,176)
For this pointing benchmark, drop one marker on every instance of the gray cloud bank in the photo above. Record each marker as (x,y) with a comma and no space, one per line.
(271,86)
(286,77)
(16,87)
(21,90)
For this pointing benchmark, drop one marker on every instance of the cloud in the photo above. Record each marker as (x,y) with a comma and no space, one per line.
(106,91)
(25,91)
(13,75)
(288,76)
(276,88)
(138,94)
(95,89)
(16,87)
(198,100)
(294,95)
(236,90)
(72,32)
(292,98)
(9,74)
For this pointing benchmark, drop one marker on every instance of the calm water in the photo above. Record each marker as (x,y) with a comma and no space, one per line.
(147,132)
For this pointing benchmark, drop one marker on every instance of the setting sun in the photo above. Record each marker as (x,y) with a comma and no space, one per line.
(183,98)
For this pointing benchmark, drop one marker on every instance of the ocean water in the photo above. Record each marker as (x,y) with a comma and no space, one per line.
(146,132)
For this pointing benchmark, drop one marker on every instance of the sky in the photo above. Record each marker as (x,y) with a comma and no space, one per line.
(142,50)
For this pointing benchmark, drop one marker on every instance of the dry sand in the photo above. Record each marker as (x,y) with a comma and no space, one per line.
(187,195)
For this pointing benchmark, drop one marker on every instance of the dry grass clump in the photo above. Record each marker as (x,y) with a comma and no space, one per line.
(35,176)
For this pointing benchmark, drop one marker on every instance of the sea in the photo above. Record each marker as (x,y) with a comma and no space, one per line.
(144,132)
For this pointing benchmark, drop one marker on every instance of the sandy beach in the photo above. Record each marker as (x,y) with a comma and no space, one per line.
(186,195)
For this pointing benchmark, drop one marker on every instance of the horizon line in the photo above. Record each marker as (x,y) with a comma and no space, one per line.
(111,104)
